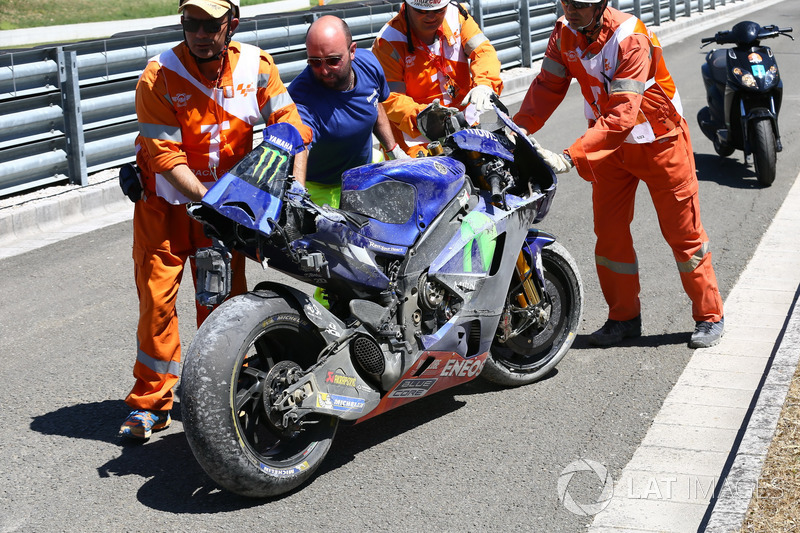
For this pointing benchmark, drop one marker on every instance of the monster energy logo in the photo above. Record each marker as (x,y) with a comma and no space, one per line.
(274,164)
(478,227)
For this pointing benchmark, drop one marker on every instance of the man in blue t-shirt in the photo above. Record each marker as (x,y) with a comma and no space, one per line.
(338,96)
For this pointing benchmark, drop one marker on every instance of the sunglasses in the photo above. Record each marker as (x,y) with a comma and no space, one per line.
(576,5)
(209,25)
(332,61)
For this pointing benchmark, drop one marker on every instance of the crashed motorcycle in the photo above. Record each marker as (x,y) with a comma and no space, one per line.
(433,275)
(744,92)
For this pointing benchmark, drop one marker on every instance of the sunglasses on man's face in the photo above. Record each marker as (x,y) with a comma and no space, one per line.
(576,5)
(332,61)
(209,25)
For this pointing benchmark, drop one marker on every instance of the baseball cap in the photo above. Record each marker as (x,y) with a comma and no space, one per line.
(214,8)
(427,5)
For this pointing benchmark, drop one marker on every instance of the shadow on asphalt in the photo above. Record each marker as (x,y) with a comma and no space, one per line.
(175,482)
(728,171)
(645,341)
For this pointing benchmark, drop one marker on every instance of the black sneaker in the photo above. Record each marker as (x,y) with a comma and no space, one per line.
(707,334)
(613,331)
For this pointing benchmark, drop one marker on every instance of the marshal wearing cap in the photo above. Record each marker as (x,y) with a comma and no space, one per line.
(215,8)
(428,5)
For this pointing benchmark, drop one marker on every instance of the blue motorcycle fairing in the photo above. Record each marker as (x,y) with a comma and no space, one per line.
(536,240)
(484,141)
(432,183)
(284,136)
(350,255)
(243,203)
(251,193)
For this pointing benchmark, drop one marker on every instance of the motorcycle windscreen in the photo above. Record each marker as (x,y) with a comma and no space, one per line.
(530,164)
(251,193)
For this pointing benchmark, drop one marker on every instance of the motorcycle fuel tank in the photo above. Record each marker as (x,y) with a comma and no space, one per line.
(401,198)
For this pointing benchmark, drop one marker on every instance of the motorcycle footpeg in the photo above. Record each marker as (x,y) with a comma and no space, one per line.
(213,275)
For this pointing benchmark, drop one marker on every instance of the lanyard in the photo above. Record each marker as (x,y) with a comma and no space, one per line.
(438,61)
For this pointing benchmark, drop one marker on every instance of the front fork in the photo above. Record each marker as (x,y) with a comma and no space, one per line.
(530,299)
(532,288)
(530,294)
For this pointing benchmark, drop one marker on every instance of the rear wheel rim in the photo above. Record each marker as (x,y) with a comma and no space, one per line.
(260,434)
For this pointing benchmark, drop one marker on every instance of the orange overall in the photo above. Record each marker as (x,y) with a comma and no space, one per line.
(185,119)
(459,60)
(636,133)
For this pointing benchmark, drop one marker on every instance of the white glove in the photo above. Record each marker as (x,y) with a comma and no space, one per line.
(398,153)
(481,97)
(560,163)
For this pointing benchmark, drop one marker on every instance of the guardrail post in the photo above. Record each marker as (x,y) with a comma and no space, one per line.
(656,12)
(673,8)
(687,8)
(477,13)
(700,6)
(525,29)
(637,9)
(615,4)
(73,120)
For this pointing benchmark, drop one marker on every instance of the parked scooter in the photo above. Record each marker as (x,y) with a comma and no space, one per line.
(744,90)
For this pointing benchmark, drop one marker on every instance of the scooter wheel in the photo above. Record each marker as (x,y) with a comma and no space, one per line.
(762,139)
(723,150)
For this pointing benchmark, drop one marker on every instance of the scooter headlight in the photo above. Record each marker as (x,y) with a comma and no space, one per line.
(748,80)
(745,78)
(771,76)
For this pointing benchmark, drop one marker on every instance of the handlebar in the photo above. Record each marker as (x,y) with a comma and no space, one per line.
(495,183)
(746,37)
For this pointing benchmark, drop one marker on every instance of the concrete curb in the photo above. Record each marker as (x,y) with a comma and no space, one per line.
(37,222)
(700,462)
(758,429)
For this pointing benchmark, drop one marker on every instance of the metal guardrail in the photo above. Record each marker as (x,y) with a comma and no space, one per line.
(68,111)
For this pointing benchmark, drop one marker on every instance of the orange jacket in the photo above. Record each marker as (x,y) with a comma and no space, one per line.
(448,73)
(184,119)
(629,94)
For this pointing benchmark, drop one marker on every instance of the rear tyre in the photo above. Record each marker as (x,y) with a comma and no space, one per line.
(532,354)
(765,149)
(243,356)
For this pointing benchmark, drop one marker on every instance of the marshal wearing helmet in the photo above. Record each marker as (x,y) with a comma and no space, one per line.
(433,50)
(636,132)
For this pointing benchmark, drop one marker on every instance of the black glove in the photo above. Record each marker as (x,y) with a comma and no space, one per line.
(130,181)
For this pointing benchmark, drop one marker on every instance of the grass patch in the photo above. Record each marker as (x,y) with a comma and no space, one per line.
(775,506)
(16,14)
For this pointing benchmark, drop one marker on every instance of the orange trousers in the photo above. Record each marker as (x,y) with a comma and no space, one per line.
(164,237)
(667,168)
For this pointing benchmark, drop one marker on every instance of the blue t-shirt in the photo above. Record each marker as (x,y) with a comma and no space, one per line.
(342,121)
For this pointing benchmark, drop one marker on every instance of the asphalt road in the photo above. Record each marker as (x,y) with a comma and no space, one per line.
(476,458)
